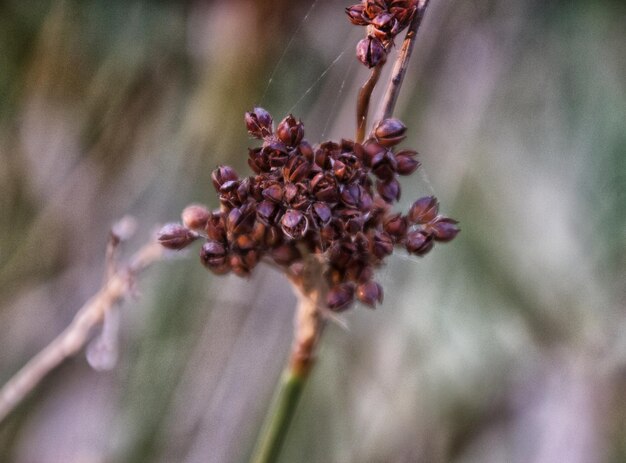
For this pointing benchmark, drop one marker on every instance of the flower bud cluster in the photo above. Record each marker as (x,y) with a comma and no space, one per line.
(331,201)
(384,20)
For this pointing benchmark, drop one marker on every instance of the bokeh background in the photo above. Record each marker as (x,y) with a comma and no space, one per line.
(507,345)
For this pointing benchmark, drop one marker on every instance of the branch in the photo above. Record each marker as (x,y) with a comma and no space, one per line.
(118,284)
(399,69)
(363,101)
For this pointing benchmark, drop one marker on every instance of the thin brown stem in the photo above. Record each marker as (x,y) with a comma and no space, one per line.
(117,286)
(363,101)
(402,62)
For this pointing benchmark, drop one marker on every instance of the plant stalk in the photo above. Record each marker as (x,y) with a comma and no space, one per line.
(402,62)
(363,101)
(309,325)
(281,414)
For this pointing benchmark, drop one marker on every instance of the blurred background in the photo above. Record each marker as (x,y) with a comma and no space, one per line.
(506,345)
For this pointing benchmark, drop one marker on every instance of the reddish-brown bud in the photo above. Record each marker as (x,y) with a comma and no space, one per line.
(370,51)
(407,164)
(355,14)
(369,293)
(215,228)
(419,243)
(306,150)
(384,22)
(213,255)
(382,245)
(389,191)
(266,211)
(273,193)
(373,8)
(294,224)
(355,224)
(396,226)
(296,169)
(390,132)
(351,195)
(175,236)
(241,219)
(324,187)
(290,131)
(221,175)
(195,217)
(259,123)
(424,210)
(321,213)
(384,165)
(340,297)
(445,229)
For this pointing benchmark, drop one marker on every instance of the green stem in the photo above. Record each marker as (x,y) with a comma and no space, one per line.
(280,416)
(308,327)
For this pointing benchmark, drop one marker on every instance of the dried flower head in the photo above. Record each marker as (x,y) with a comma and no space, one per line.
(330,202)
(384,19)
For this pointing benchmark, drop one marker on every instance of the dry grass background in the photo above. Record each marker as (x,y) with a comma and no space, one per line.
(505,346)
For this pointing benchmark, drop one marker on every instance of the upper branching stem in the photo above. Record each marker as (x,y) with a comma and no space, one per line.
(363,102)
(402,62)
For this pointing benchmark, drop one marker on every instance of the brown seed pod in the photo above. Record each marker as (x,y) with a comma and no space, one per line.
(195,217)
(424,210)
(370,51)
(390,132)
(369,293)
(294,224)
(259,123)
(175,236)
(340,297)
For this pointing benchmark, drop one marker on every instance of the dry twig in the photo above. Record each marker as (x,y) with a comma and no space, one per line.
(401,64)
(118,284)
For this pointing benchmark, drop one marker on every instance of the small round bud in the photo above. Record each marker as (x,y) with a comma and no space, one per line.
(355,14)
(424,210)
(369,293)
(222,175)
(259,123)
(389,191)
(215,228)
(340,297)
(213,255)
(418,243)
(390,132)
(290,131)
(321,213)
(384,22)
(294,224)
(382,245)
(407,164)
(396,226)
(384,165)
(445,229)
(175,236)
(273,193)
(370,51)
(195,217)
(241,220)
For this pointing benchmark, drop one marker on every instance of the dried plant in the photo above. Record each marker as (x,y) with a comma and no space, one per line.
(321,213)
